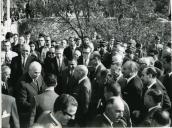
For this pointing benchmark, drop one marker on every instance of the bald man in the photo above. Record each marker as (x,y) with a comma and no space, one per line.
(30,85)
(20,64)
(113,114)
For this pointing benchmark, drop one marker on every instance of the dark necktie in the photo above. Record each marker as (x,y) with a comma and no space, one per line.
(59,64)
(36,83)
(23,62)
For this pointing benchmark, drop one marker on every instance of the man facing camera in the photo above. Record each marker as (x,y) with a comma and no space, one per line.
(30,85)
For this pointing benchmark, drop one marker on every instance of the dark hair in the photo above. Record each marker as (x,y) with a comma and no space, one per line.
(85,37)
(27,33)
(158,64)
(169,44)
(63,102)
(129,51)
(8,35)
(59,47)
(113,87)
(138,45)
(76,39)
(32,42)
(72,59)
(86,46)
(152,71)
(161,117)
(156,95)
(104,73)
(167,58)
(53,41)
(50,80)
(152,52)
(41,35)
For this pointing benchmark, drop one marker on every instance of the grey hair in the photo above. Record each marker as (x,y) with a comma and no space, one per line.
(82,69)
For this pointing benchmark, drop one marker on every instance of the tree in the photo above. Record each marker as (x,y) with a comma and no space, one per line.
(123,19)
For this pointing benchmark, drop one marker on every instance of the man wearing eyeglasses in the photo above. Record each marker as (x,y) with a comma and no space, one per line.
(65,108)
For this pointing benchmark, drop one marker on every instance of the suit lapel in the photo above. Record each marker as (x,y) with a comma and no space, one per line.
(21,63)
(33,84)
(27,62)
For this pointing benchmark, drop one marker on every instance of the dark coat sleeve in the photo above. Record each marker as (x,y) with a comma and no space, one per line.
(21,96)
(14,115)
(33,111)
(85,94)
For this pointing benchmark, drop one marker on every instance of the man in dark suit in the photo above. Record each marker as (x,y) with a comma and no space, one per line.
(84,59)
(167,78)
(112,116)
(45,101)
(9,115)
(20,64)
(106,56)
(150,81)
(68,80)
(82,92)
(64,110)
(49,59)
(152,102)
(57,65)
(95,61)
(113,89)
(69,51)
(30,85)
(132,93)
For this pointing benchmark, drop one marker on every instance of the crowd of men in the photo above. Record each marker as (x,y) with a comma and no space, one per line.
(85,82)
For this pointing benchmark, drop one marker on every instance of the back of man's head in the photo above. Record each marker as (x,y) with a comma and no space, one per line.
(63,102)
(82,69)
(133,66)
(59,47)
(151,70)
(8,35)
(162,118)
(156,95)
(50,80)
(113,87)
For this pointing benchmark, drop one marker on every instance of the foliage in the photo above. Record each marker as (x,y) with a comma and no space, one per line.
(123,19)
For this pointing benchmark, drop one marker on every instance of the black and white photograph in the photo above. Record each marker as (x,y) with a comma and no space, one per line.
(85,63)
